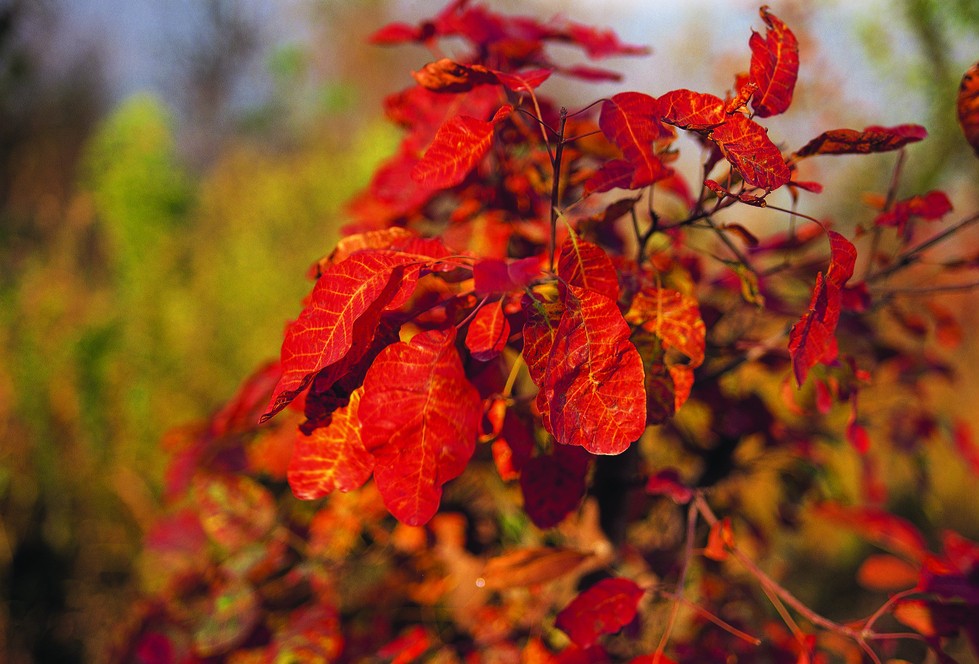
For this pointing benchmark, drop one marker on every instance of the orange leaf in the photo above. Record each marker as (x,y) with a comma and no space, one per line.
(720,540)
(968,106)
(747,146)
(673,317)
(332,457)
(886,573)
(527,567)
(774,66)
(587,266)
(459,145)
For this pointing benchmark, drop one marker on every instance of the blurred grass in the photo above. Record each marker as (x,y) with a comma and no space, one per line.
(154,291)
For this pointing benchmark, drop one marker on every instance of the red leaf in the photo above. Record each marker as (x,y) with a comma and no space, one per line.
(419,417)
(459,145)
(968,106)
(347,301)
(593,385)
(660,392)
(629,121)
(396,33)
(614,174)
(407,647)
(553,485)
(492,276)
(691,110)
(667,482)
(774,66)
(488,332)
(720,540)
(746,145)
(594,74)
(880,527)
(965,445)
(600,43)
(930,206)
(446,75)
(606,607)
(332,457)
(674,318)
(811,339)
(871,139)
(523,80)
(586,265)
(743,142)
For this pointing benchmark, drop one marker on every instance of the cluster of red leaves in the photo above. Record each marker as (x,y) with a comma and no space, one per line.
(495,340)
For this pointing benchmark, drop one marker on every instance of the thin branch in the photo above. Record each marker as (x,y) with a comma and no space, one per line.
(909,255)
(888,204)
(556,184)
(681,582)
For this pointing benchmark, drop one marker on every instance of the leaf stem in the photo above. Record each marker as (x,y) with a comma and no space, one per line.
(909,256)
(556,183)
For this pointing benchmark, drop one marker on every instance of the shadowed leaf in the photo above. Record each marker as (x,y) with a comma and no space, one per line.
(606,607)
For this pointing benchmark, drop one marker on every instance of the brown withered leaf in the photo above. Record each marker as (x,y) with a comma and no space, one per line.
(527,567)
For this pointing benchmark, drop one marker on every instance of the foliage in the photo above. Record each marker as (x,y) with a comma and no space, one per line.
(559,359)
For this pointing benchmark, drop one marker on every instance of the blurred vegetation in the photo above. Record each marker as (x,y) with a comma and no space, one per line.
(150,255)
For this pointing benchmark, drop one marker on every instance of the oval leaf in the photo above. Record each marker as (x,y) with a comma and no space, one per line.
(459,145)
(606,607)
(594,382)
(527,567)
(629,120)
(488,332)
(419,416)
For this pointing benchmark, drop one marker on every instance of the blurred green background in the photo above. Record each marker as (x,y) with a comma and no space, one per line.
(156,222)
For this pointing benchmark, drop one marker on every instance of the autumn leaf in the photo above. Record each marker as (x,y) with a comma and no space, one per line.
(660,394)
(528,567)
(745,144)
(446,75)
(419,417)
(357,289)
(614,174)
(812,340)
(459,145)
(331,457)
(871,139)
(523,80)
(629,121)
(488,332)
(720,540)
(606,607)
(774,66)
(673,317)
(968,106)
(593,383)
(494,276)
(586,265)
(695,111)
(930,206)
(554,484)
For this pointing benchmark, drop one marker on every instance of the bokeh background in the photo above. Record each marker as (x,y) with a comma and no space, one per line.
(170,168)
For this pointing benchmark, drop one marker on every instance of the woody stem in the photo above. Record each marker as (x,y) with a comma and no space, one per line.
(556,183)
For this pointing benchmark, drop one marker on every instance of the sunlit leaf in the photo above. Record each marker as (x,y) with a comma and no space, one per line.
(488,332)
(774,66)
(587,266)
(460,144)
(332,457)
(630,121)
(593,384)
(419,417)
